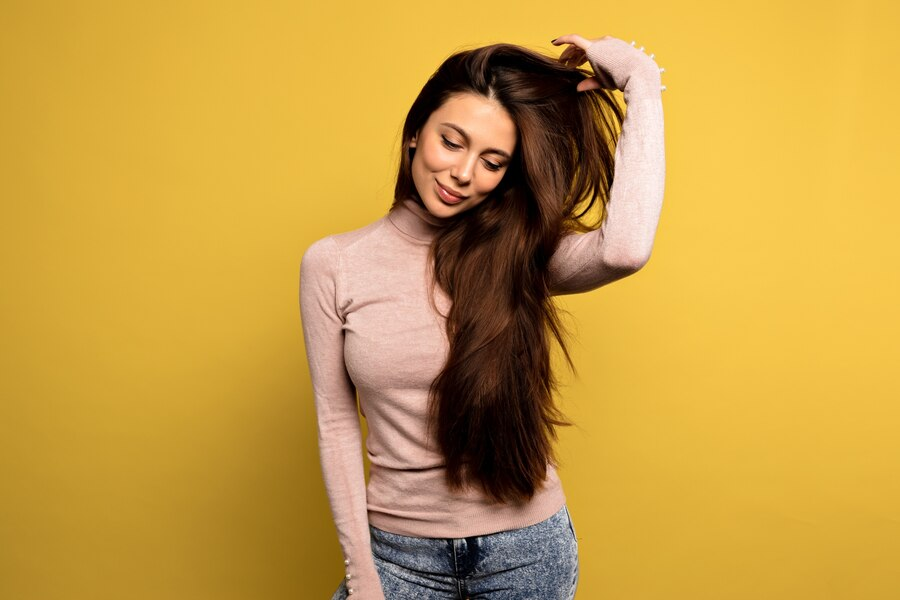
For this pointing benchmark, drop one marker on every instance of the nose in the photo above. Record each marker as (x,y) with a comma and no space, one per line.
(462,170)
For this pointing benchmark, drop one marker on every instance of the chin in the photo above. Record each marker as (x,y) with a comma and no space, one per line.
(437,207)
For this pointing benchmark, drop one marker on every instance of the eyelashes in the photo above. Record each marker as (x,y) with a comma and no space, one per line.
(491,166)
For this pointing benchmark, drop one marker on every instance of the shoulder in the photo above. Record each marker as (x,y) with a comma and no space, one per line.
(321,256)
(324,255)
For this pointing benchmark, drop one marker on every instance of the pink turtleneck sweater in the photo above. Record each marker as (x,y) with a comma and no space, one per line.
(370,332)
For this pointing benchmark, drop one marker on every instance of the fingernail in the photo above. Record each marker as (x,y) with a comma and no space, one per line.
(553,40)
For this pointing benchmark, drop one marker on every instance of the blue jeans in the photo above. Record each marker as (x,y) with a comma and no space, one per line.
(538,562)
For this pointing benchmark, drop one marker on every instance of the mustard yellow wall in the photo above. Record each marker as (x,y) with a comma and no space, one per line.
(163,166)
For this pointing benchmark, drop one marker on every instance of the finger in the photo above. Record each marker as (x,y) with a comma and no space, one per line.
(572,56)
(577,58)
(589,83)
(572,38)
(597,82)
(572,52)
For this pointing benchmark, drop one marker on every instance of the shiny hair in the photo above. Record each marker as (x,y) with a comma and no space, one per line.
(491,409)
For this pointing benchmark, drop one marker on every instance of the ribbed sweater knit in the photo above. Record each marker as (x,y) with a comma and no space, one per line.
(370,331)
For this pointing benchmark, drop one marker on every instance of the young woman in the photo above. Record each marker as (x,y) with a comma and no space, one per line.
(439,315)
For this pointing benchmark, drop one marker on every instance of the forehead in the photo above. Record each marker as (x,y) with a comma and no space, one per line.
(485,121)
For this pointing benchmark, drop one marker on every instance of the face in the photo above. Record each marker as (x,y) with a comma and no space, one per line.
(462,153)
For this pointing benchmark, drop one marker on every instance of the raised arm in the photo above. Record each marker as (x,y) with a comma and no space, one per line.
(622,245)
(339,432)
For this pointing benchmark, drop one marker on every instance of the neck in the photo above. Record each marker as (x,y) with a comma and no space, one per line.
(412,218)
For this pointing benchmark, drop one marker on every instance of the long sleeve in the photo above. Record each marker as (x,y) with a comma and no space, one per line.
(622,245)
(339,432)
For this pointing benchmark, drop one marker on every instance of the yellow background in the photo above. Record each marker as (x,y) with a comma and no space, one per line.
(163,166)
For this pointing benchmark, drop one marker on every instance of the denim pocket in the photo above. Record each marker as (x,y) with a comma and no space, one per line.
(571,525)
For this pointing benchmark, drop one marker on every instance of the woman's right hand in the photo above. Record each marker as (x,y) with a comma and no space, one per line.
(617,60)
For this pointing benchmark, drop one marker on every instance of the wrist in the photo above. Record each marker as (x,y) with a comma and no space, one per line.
(625,65)
(366,585)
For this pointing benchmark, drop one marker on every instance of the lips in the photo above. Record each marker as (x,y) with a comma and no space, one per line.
(447,195)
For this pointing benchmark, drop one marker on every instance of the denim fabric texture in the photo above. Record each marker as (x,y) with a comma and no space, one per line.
(538,562)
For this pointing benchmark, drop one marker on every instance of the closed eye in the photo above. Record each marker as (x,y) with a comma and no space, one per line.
(491,166)
(450,144)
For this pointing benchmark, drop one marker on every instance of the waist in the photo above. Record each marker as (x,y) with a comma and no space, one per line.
(419,503)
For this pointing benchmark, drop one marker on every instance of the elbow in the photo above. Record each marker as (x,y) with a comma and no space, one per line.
(628,262)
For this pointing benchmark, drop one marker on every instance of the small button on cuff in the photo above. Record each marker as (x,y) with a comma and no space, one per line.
(346,561)
(350,590)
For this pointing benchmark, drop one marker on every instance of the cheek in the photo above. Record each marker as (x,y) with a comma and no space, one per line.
(435,157)
(489,182)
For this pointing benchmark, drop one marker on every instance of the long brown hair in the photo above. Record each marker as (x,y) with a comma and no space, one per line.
(491,408)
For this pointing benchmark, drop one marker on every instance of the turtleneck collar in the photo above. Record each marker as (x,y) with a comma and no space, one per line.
(414,220)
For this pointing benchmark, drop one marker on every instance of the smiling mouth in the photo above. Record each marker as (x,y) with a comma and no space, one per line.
(448,195)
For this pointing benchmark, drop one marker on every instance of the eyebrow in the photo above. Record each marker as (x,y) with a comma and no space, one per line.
(463,133)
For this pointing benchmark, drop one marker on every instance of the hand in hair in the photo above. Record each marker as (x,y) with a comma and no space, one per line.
(616,58)
(576,55)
